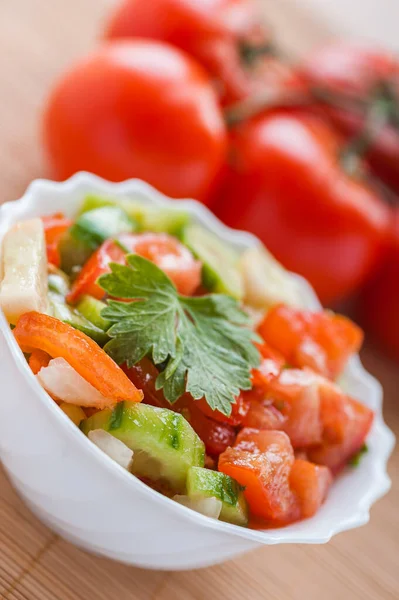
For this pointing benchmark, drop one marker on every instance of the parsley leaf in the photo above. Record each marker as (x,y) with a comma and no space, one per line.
(205,342)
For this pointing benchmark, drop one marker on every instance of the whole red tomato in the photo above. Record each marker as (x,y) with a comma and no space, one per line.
(137,109)
(380,300)
(225,36)
(361,75)
(286,185)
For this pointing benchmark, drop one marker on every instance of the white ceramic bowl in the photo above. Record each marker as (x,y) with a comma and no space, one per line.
(91,501)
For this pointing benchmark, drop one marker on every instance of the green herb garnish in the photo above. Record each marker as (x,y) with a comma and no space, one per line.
(356,458)
(204,341)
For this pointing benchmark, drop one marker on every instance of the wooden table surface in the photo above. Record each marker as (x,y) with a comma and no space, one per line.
(38,38)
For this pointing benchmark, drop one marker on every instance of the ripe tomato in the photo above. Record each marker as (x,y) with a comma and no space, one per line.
(271,364)
(137,109)
(353,431)
(217,436)
(223,35)
(311,484)
(380,299)
(297,394)
(238,411)
(286,186)
(354,72)
(322,341)
(261,461)
(54,228)
(162,249)
(262,413)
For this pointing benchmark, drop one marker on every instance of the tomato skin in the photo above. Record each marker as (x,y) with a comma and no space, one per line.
(300,203)
(355,71)
(164,250)
(322,341)
(38,331)
(379,301)
(261,461)
(239,411)
(215,435)
(212,31)
(143,375)
(54,228)
(97,265)
(137,109)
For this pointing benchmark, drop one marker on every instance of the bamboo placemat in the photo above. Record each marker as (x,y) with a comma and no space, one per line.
(38,38)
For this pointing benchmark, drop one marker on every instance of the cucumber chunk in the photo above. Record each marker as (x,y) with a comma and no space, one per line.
(148,218)
(204,483)
(219,271)
(164,444)
(60,310)
(91,309)
(73,253)
(100,224)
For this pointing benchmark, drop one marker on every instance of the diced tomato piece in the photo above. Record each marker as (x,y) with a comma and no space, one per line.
(172,257)
(216,436)
(355,427)
(38,331)
(54,228)
(310,483)
(162,249)
(38,360)
(296,394)
(261,461)
(271,364)
(262,413)
(238,411)
(144,375)
(322,341)
(98,264)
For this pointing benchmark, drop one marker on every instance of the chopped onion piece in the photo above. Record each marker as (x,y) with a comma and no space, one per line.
(113,447)
(210,507)
(62,382)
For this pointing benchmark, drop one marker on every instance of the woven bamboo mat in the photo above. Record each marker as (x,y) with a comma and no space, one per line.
(38,38)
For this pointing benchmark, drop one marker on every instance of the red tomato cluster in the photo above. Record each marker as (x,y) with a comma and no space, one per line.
(191,96)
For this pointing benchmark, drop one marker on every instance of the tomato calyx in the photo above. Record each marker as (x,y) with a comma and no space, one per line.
(380,110)
(251,52)
(268,100)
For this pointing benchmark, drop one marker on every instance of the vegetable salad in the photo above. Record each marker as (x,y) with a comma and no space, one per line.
(193,367)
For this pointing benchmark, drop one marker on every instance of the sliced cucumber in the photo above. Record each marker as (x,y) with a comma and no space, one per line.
(91,309)
(73,253)
(204,483)
(96,226)
(219,271)
(148,218)
(165,445)
(266,282)
(60,310)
